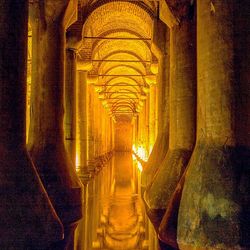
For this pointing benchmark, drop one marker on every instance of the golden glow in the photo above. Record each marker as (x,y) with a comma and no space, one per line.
(141,152)
(77,163)
(150,149)
(139,166)
(150,79)
(98,89)
(134,158)
(154,68)
(146,89)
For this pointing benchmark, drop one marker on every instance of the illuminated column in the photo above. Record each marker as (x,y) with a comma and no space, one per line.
(147,118)
(91,146)
(82,242)
(46,140)
(182,123)
(161,48)
(214,209)
(28,220)
(70,104)
(152,117)
(82,231)
(82,119)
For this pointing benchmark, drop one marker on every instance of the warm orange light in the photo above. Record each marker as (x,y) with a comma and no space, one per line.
(134,158)
(77,163)
(139,166)
(142,153)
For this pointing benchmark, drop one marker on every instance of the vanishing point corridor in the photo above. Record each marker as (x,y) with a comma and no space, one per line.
(124,125)
(121,223)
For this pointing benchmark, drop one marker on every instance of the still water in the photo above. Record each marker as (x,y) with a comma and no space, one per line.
(114,216)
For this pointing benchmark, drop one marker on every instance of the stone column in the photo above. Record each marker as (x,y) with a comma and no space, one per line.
(28,220)
(161,49)
(152,117)
(70,104)
(182,130)
(214,209)
(83,117)
(46,140)
(82,231)
(91,146)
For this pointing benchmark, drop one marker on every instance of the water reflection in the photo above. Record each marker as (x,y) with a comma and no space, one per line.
(124,222)
(112,212)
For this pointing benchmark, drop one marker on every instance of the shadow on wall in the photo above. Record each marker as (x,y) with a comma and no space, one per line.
(123,136)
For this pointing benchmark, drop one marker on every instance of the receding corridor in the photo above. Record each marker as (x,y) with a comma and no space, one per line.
(124,125)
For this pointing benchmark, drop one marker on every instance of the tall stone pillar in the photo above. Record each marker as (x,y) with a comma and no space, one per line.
(214,208)
(152,117)
(82,151)
(82,231)
(83,117)
(91,142)
(46,140)
(161,50)
(182,119)
(28,220)
(70,104)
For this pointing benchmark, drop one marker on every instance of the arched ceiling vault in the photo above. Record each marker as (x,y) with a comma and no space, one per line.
(116,38)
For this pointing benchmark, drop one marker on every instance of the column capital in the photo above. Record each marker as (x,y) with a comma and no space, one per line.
(73,42)
(84,65)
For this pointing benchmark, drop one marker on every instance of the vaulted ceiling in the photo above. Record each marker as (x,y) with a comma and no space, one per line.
(116,39)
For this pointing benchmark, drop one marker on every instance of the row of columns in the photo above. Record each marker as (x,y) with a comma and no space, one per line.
(46,136)
(94,144)
(194,184)
(45,191)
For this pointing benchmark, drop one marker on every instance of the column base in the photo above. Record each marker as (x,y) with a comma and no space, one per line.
(159,193)
(68,242)
(60,180)
(214,209)
(28,220)
(155,159)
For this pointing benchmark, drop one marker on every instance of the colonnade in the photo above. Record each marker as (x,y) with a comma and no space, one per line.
(46,191)
(190,136)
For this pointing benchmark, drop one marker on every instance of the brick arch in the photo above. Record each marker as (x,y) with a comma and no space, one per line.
(129,13)
(127,77)
(130,103)
(87,12)
(129,53)
(136,88)
(76,29)
(120,30)
(125,66)
(137,47)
